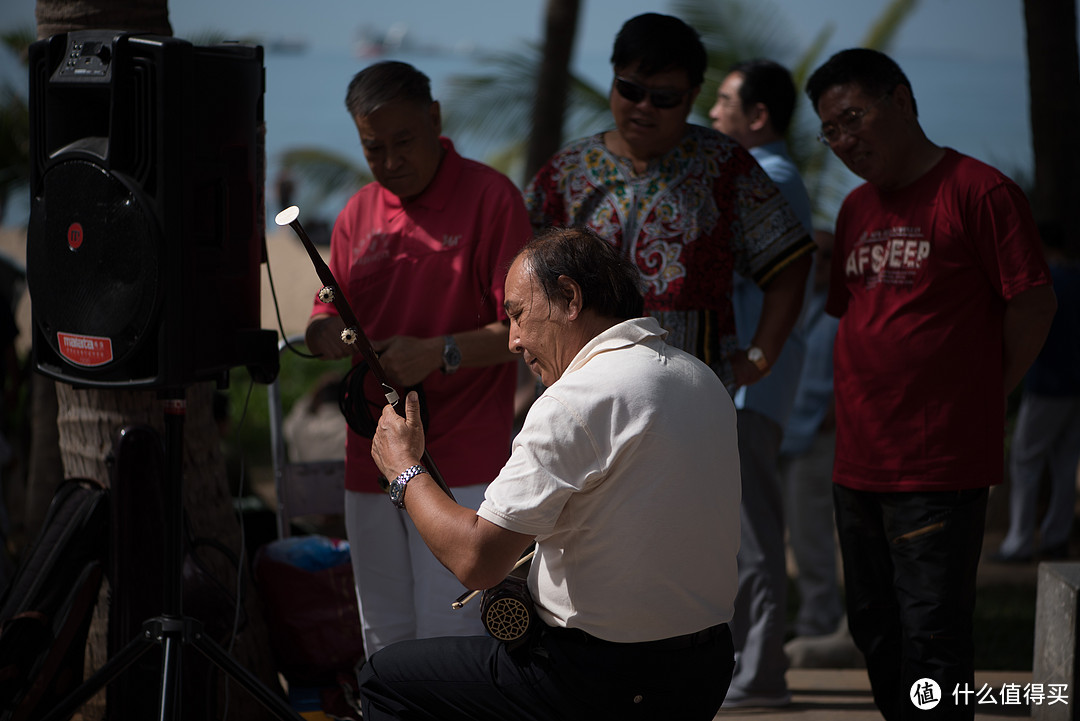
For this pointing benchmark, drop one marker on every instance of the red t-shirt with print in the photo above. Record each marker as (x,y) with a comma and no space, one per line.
(920,280)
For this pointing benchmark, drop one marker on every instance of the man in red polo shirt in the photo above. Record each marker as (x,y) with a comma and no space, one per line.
(422,254)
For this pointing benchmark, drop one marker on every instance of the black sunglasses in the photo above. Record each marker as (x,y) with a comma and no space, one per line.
(660,99)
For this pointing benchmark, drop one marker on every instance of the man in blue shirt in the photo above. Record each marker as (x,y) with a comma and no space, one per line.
(754,106)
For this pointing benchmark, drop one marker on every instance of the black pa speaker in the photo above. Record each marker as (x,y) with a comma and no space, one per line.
(147,217)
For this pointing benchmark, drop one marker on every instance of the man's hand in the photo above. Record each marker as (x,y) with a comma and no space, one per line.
(323,337)
(398,442)
(743,370)
(408,360)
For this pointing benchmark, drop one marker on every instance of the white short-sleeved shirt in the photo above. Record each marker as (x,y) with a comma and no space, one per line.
(627,472)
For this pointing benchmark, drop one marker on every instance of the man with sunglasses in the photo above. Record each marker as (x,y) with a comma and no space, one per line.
(944,300)
(688,205)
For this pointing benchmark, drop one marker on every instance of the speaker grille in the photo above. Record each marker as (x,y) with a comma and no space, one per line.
(99,247)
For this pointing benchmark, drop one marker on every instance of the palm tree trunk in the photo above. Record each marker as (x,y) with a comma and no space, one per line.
(44,469)
(560,28)
(62,16)
(1054,97)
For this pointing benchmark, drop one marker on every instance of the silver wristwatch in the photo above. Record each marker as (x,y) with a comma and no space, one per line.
(397,486)
(451,355)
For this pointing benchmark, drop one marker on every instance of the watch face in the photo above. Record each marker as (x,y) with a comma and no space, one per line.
(451,355)
(397,492)
(756,356)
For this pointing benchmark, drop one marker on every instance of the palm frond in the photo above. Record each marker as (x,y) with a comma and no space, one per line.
(496,106)
(18,41)
(732,31)
(14,143)
(801,69)
(883,30)
(323,173)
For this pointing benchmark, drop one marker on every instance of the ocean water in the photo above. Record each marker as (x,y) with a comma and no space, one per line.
(976,105)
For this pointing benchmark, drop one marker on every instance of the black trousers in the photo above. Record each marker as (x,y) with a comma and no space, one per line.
(910,561)
(560,675)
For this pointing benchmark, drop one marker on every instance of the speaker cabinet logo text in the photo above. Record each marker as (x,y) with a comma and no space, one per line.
(85,350)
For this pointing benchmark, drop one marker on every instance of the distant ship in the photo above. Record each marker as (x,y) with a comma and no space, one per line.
(287,45)
(371,43)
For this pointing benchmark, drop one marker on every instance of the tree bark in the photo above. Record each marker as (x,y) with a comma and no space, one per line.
(44,469)
(553,83)
(1054,101)
(62,16)
(88,422)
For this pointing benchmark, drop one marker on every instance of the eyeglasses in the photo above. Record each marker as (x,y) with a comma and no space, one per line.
(660,99)
(848,123)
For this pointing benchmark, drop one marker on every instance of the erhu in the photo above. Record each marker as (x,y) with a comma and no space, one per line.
(507,609)
(353,334)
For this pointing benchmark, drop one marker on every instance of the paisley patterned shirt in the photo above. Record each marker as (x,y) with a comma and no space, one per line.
(696,215)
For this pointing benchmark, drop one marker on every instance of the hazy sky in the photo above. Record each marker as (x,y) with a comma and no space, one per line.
(968,27)
(966,58)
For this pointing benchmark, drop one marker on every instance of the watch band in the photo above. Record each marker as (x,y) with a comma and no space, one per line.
(451,355)
(757,356)
(397,486)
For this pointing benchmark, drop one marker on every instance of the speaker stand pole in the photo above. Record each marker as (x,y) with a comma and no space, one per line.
(172,630)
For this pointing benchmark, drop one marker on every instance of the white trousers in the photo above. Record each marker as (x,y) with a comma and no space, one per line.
(402,589)
(1046,439)
(808,508)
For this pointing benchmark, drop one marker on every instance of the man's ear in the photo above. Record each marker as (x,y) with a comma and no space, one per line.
(759,117)
(692,96)
(571,293)
(902,99)
(435,113)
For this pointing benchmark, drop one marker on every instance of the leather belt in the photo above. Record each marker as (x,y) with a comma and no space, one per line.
(675,643)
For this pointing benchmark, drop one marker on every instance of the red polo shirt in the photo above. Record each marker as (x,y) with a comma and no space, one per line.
(427,267)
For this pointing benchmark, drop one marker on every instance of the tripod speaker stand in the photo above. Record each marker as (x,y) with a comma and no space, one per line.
(171,630)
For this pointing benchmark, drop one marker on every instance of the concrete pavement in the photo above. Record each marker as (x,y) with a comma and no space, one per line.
(844,695)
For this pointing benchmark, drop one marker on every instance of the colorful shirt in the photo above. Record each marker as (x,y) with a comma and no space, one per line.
(697,214)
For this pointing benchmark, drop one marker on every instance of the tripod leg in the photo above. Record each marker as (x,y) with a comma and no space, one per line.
(116,665)
(271,701)
(170,678)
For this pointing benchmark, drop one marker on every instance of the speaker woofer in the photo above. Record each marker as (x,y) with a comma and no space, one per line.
(98,246)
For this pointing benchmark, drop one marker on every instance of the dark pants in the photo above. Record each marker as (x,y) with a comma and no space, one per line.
(561,676)
(910,561)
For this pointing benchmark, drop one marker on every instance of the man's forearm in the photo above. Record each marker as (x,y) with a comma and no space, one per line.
(1027,322)
(485,346)
(477,551)
(780,307)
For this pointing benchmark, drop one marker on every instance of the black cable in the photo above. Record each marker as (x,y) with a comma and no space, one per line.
(361,413)
(277,310)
